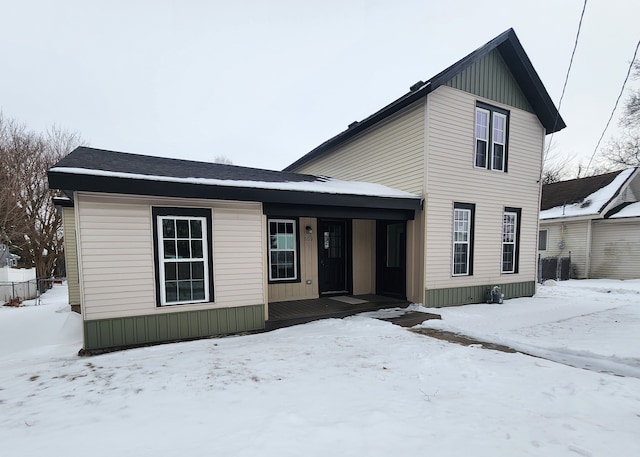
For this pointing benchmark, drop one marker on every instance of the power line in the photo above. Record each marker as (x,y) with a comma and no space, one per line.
(633,59)
(566,79)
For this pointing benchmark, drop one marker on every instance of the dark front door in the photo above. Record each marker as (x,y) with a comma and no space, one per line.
(334,251)
(391,255)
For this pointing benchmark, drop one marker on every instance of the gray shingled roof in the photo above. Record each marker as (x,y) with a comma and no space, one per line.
(574,190)
(122,162)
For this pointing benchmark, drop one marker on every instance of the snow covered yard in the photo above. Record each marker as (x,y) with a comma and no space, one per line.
(356,386)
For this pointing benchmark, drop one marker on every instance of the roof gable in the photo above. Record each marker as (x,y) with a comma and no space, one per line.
(501,86)
(516,61)
(590,196)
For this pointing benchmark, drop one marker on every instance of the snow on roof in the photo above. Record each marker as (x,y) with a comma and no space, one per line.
(322,185)
(632,210)
(591,205)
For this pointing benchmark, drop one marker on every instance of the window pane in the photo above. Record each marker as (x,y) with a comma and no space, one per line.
(542,240)
(184,290)
(170,271)
(198,290)
(169,249)
(498,157)
(171,290)
(460,259)
(282,250)
(196,229)
(508,251)
(182,228)
(197,270)
(481,153)
(184,270)
(183,249)
(168,228)
(196,249)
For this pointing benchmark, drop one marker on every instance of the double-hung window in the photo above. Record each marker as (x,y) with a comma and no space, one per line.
(183,255)
(510,239)
(463,219)
(542,239)
(283,250)
(491,137)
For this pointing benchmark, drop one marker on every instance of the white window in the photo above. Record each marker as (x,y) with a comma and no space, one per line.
(482,137)
(542,240)
(462,239)
(509,241)
(498,141)
(491,128)
(183,259)
(283,255)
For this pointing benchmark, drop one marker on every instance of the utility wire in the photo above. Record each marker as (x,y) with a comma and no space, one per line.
(633,59)
(566,79)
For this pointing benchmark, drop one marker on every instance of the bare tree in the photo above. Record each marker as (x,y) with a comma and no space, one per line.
(223,160)
(625,151)
(31,226)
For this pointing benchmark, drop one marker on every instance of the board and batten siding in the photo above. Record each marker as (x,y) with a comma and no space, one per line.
(452,177)
(616,249)
(390,153)
(308,259)
(568,237)
(115,243)
(71,254)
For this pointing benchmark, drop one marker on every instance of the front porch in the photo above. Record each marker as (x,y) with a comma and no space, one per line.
(294,312)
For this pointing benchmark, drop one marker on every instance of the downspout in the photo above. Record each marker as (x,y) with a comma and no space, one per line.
(587,265)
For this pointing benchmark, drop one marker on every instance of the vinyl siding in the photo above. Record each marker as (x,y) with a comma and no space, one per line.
(71,254)
(452,177)
(308,258)
(575,237)
(390,153)
(364,257)
(616,249)
(115,240)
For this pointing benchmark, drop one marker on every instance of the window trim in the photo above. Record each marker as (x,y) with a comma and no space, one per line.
(471,208)
(546,239)
(296,250)
(159,212)
(516,243)
(490,141)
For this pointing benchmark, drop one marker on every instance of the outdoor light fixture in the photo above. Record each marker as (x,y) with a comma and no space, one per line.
(308,229)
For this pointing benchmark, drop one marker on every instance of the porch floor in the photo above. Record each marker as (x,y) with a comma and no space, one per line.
(287,313)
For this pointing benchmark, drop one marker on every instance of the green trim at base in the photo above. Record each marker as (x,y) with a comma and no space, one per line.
(158,328)
(454,296)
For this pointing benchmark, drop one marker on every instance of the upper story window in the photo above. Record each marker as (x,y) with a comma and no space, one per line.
(183,255)
(491,137)
(283,250)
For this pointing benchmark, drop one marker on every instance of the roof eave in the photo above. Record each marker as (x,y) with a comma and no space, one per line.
(121,185)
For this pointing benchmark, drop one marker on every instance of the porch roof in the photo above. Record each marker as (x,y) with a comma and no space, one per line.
(96,170)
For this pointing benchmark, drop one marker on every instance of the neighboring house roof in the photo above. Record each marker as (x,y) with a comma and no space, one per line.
(625,211)
(514,56)
(89,169)
(592,196)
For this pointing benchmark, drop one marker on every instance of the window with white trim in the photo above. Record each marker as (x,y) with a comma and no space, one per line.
(283,250)
(510,240)
(542,239)
(491,129)
(463,218)
(183,256)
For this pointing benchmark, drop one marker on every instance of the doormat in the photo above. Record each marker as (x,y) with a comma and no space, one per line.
(349,300)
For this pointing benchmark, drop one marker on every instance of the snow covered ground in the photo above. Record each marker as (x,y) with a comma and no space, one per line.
(351,387)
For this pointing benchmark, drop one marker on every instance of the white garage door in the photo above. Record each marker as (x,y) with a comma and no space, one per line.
(615,251)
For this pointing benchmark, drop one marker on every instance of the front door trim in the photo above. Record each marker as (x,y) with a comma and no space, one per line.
(328,286)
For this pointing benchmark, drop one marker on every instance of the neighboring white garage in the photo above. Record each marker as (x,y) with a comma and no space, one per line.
(616,245)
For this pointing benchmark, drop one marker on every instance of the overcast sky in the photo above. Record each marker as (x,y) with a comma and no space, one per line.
(264,82)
